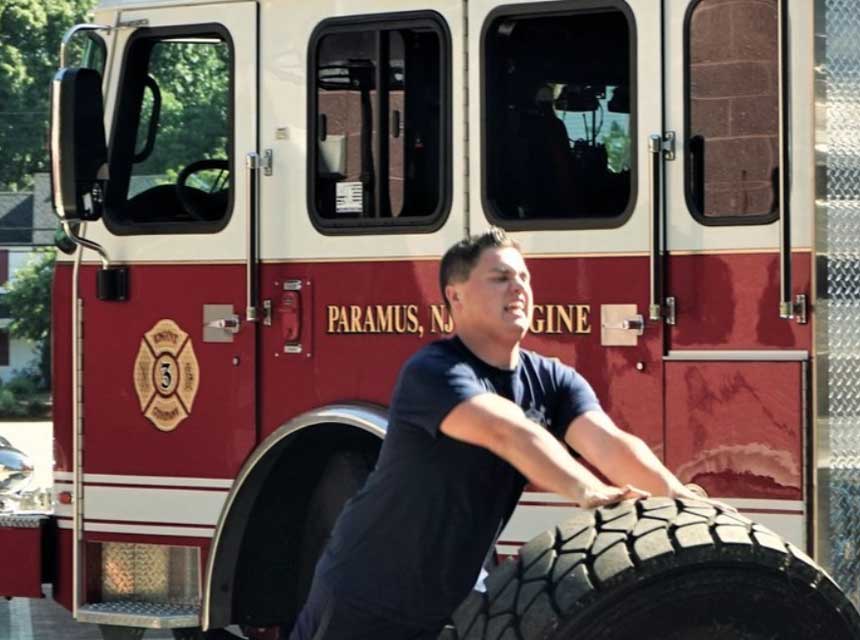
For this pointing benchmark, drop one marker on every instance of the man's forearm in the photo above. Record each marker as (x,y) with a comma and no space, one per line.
(545,462)
(630,461)
(497,424)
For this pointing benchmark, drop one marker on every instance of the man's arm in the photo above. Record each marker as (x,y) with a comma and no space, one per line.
(622,457)
(497,424)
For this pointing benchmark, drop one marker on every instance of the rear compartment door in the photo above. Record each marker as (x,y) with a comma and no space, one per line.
(736,374)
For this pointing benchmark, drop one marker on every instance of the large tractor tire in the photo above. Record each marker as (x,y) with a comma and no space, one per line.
(658,569)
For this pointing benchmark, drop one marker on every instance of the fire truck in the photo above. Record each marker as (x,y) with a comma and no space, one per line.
(254,196)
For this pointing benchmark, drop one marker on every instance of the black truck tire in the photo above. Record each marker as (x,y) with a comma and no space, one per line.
(657,569)
(345,473)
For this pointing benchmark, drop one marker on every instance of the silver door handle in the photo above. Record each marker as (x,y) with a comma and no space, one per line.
(636,323)
(231,324)
(655,306)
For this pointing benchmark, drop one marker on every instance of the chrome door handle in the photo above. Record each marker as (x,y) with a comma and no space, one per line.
(636,323)
(655,306)
(231,324)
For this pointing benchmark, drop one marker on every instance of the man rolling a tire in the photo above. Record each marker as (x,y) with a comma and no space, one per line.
(472,418)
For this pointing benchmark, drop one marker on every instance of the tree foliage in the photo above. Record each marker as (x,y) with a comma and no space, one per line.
(30,35)
(193,79)
(28,298)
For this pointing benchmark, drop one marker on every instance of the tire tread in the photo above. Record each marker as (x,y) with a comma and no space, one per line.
(580,562)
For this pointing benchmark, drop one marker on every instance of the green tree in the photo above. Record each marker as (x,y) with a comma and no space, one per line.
(193,78)
(28,298)
(30,35)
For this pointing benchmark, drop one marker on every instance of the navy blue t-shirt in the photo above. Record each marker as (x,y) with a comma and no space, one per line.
(410,545)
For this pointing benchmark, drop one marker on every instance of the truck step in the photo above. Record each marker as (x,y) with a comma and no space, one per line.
(22,520)
(135,613)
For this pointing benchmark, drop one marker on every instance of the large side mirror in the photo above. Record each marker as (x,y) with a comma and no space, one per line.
(78,148)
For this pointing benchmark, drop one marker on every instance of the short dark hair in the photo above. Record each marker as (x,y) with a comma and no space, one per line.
(460,259)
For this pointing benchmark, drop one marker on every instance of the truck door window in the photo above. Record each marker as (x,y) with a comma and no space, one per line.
(170,160)
(379,122)
(732,138)
(559,137)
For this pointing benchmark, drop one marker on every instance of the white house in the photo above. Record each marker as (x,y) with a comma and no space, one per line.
(26,222)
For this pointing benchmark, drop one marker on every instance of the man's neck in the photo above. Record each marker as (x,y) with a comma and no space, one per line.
(502,355)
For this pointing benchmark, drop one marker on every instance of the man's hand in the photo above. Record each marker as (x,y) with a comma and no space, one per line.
(699,495)
(607,494)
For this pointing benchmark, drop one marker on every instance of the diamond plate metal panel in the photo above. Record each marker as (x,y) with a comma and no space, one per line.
(151,566)
(22,521)
(150,573)
(117,570)
(148,615)
(838,246)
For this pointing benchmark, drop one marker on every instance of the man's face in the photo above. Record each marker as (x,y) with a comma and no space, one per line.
(497,297)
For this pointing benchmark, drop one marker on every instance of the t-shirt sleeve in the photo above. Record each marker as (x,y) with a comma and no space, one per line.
(429,387)
(574,396)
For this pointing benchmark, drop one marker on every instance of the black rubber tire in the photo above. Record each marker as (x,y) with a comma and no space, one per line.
(657,569)
(345,473)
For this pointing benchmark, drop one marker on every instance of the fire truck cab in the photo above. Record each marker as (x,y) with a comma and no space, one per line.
(255,195)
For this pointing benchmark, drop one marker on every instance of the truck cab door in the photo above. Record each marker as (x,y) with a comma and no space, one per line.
(563,105)
(168,376)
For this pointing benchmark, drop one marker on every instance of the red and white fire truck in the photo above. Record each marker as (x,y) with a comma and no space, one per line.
(257,209)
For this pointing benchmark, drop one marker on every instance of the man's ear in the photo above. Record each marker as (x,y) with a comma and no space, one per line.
(452,295)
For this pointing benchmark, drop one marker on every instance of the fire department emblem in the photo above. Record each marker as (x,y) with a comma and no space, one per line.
(166,375)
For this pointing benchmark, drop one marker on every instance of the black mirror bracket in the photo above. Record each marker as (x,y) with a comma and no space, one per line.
(112,284)
(111,281)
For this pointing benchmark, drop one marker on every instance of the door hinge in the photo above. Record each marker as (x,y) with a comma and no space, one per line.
(796,310)
(668,145)
(267,162)
(669,313)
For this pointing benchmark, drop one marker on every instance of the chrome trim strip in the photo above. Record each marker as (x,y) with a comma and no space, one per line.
(821,453)
(370,418)
(739,355)
(77,434)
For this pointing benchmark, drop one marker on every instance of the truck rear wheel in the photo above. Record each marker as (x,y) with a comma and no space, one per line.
(345,473)
(657,569)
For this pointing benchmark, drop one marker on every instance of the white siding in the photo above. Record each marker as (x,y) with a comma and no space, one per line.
(22,353)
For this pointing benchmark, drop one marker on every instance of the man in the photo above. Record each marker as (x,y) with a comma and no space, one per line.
(471,418)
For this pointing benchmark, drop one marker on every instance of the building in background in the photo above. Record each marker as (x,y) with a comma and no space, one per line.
(26,223)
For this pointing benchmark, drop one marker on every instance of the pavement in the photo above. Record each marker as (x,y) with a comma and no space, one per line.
(43,619)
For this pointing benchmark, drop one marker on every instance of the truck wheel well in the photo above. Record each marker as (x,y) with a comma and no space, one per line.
(264,587)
